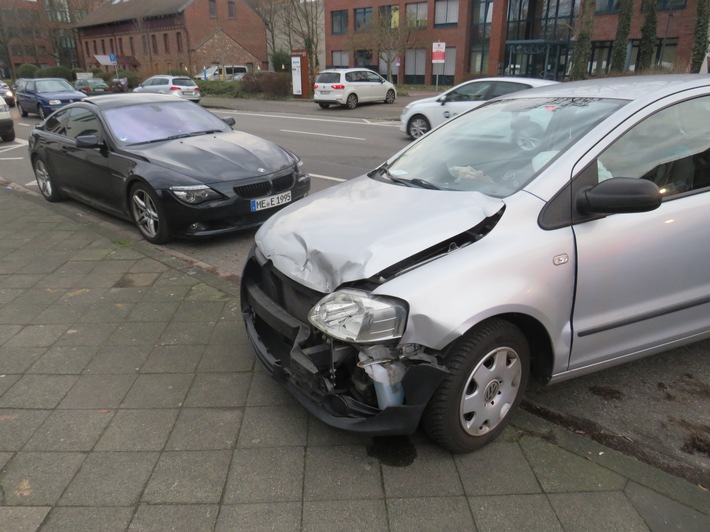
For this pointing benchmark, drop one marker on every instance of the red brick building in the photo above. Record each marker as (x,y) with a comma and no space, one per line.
(483,37)
(168,35)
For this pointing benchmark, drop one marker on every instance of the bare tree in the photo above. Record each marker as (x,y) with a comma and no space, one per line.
(583,46)
(272,13)
(302,20)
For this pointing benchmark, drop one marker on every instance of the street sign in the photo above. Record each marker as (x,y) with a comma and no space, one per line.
(438,52)
(112,58)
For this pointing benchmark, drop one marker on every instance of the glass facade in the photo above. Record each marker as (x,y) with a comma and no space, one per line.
(481,18)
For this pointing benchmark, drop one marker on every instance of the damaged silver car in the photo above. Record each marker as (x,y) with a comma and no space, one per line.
(553,232)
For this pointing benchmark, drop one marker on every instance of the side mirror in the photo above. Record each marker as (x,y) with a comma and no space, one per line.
(87,141)
(619,195)
(229,120)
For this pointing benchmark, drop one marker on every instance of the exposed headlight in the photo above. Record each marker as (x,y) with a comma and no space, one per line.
(8,94)
(194,194)
(55,102)
(359,317)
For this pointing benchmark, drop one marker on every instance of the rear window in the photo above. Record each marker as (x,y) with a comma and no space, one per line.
(183,82)
(328,77)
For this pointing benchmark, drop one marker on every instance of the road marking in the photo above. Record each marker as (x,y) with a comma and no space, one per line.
(338,179)
(362,121)
(319,134)
(11,158)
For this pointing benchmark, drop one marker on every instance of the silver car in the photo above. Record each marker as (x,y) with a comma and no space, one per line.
(553,232)
(180,86)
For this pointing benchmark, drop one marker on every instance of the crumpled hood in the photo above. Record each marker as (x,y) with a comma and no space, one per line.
(225,156)
(356,229)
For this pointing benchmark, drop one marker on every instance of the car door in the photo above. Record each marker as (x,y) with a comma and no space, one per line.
(376,87)
(26,95)
(357,83)
(642,278)
(461,99)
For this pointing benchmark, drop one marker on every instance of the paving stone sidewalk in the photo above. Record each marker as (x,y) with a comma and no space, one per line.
(130,400)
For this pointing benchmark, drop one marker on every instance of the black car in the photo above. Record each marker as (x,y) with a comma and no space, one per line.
(167,164)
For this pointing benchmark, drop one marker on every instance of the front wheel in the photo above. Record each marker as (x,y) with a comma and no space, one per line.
(390,96)
(40,112)
(324,105)
(9,137)
(23,113)
(489,369)
(45,183)
(148,214)
(351,102)
(417,126)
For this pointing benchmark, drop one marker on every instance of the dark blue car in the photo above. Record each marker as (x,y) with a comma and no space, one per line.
(43,96)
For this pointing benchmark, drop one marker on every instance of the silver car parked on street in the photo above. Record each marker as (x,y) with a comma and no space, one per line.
(552,232)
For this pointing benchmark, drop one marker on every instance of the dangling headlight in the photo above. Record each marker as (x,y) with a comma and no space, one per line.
(359,317)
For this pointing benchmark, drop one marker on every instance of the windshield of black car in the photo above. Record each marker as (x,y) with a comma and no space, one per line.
(498,148)
(53,85)
(137,124)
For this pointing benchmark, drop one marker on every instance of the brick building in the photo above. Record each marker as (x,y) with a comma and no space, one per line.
(168,35)
(482,37)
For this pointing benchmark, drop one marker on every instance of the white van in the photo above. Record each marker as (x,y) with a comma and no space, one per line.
(215,72)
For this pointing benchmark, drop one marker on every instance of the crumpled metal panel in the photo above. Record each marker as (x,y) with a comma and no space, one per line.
(306,243)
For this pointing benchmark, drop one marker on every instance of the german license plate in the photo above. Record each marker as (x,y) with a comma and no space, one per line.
(271,201)
(98,90)
(325,92)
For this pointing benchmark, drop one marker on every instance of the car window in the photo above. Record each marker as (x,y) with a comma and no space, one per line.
(471,92)
(53,85)
(372,77)
(161,81)
(670,148)
(505,87)
(184,82)
(82,122)
(328,77)
(57,123)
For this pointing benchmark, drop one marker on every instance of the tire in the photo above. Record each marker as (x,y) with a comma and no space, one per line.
(45,182)
(351,102)
(40,112)
(324,105)
(23,113)
(9,137)
(489,369)
(148,214)
(417,126)
(390,96)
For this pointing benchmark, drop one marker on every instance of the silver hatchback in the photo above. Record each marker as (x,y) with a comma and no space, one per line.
(552,232)
(180,86)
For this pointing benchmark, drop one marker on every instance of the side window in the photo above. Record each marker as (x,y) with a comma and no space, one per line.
(82,122)
(350,76)
(505,87)
(161,81)
(670,148)
(57,123)
(471,92)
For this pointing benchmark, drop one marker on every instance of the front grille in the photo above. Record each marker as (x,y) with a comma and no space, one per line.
(266,186)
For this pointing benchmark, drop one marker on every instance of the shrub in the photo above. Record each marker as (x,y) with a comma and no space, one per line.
(276,84)
(26,71)
(54,72)
(281,60)
(229,89)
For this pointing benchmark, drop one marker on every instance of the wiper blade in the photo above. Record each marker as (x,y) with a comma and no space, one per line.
(422,183)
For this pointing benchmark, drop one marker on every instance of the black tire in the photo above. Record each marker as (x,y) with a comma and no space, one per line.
(351,102)
(417,126)
(45,181)
(390,96)
(23,113)
(489,369)
(148,214)
(324,105)
(9,137)
(40,112)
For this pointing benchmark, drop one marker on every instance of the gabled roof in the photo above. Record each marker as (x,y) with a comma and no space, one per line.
(120,10)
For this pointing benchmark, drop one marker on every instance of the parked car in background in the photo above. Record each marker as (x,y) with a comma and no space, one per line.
(423,115)
(92,86)
(43,96)
(7,94)
(481,257)
(351,86)
(7,124)
(222,73)
(168,165)
(180,86)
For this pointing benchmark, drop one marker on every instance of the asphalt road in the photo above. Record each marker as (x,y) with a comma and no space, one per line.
(657,409)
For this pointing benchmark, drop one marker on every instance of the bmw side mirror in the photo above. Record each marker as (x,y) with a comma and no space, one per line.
(229,120)
(619,195)
(87,141)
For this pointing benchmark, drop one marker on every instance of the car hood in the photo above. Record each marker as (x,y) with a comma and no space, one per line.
(218,157)
(357,229)
(427,101)
(62,95)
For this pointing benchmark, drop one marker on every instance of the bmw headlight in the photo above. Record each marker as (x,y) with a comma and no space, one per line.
(359,317)
(194,194)
(55,102)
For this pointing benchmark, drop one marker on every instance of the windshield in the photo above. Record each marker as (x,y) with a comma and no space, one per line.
(137,124)
(498,148)
(53,85)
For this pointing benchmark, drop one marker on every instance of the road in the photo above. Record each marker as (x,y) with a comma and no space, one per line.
(657,409)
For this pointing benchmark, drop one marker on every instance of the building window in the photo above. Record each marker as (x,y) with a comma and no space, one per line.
(120,45)
(363,19)
(340,59)
(339,22)
(110,43)
(446,12)
(145,44)
(166,43)
(96,50)
(232,10)
(607,6)
(482,15)
(415,66)
(213,8)
(178,38)
(670,4)
(103,47)
(86,48)
(154,44)
(362,58)
(130,43)
(417,14)
(389,16)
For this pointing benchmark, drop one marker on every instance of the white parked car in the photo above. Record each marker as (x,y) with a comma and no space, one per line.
(423,115)
(180,86)
(350,86)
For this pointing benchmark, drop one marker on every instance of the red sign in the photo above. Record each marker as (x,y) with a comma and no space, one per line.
(438,52)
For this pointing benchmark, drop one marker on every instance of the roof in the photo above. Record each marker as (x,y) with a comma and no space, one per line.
(120,10)
(111,101)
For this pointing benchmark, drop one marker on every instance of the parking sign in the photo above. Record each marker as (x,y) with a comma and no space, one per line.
(438,52)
